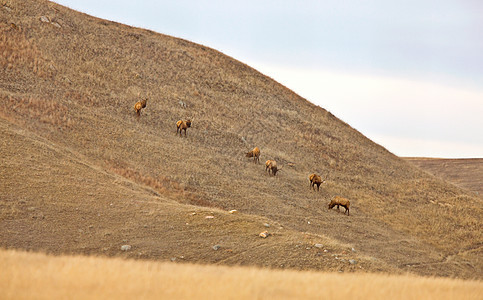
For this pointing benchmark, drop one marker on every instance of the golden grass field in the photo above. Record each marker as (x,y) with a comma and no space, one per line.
(37,276)
(82,175)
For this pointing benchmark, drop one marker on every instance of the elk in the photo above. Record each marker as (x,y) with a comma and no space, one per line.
(267,165)
(182,125)
(340,201)
(140,105)
(316,180)
(271,166)
(255,153)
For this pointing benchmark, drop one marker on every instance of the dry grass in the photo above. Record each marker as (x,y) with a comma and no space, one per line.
(162,185)
(17,50)
(66,112)
(37,276)
(32,108)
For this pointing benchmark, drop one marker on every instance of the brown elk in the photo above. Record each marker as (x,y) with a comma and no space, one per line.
(267,165)
(255,153)
(271,166)
(316,180)
(340,201)
(182,125)
(140,105)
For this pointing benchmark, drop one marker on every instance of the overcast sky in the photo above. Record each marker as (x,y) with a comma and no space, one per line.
(407,74)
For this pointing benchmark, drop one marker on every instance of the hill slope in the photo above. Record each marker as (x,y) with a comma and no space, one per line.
(73,149)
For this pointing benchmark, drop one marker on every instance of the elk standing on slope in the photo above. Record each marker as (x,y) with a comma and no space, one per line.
(316,180)
(267,165)
(271,166)
(340,201)
(182,125)
(255,153)
(140,105)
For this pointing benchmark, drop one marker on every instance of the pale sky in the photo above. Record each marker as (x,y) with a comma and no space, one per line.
(407,74)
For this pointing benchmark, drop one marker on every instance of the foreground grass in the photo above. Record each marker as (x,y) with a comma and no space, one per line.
(38,276)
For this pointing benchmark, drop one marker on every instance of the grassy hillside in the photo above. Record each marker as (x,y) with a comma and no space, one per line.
(23,276)
(82,174)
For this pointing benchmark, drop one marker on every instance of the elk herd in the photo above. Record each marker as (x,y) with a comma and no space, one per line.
(314,179)
(270,165)
(181,125)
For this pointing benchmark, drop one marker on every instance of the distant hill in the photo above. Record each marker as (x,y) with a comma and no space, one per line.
(465,173)
(82,174)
